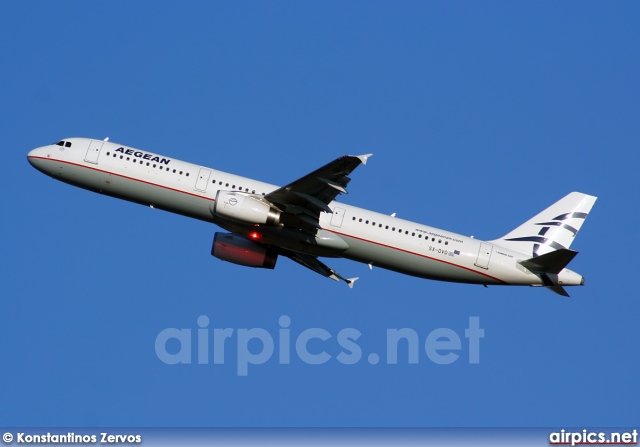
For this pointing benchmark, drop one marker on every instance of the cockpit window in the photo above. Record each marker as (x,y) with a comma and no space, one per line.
(60,143)
(64,143)
(67,144)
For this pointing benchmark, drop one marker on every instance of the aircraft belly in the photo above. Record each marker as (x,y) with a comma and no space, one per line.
(172,200)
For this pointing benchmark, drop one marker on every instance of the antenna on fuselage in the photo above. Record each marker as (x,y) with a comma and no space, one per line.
(106,139)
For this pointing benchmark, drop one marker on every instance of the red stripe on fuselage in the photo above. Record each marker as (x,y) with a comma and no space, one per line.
(332,231)
(124,176)
(417,254)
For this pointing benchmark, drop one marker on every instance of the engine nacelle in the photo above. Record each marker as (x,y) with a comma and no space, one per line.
(232,248)
(245,207)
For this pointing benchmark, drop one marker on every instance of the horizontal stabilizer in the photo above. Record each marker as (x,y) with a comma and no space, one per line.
(559,290)
(552,262)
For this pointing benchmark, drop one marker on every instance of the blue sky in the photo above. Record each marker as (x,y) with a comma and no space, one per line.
(480,114)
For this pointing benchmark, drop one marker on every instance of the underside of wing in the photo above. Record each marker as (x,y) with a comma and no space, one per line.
(312,263)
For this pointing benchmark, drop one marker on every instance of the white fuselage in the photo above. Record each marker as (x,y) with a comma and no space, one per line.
(373,238)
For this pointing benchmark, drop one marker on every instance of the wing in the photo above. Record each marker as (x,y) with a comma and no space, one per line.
(303,200)
(312,263)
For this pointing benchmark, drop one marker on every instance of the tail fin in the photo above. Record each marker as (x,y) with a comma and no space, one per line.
(553,229)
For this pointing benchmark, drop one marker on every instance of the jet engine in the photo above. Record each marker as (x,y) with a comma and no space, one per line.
(244,207)
(237,250)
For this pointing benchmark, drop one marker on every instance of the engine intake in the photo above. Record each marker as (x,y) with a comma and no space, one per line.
(237,250)
(244,207)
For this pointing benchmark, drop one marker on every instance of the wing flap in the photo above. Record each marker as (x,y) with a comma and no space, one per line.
(310,195)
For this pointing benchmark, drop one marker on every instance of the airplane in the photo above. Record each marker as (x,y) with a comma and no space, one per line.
(302,221)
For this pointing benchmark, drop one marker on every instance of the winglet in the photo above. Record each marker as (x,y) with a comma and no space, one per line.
(364,158)
(351,281)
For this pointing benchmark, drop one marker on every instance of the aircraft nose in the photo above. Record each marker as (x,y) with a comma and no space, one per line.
(35,156)
(33,153)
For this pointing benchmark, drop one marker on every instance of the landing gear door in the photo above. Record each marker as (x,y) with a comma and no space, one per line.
(484,255)
(337,216)
(94,150)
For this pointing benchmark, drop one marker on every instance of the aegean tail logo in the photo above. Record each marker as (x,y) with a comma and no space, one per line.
(555,222)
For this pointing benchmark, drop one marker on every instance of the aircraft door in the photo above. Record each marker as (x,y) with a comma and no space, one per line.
(484,255)
(203,179)
(94,150)
(337,216)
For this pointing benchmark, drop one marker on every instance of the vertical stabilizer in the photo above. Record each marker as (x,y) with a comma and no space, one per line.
(553,229)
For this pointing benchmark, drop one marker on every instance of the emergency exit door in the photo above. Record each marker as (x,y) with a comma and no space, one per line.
(94,151)
(203,179)
(337,216)
(484,255)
